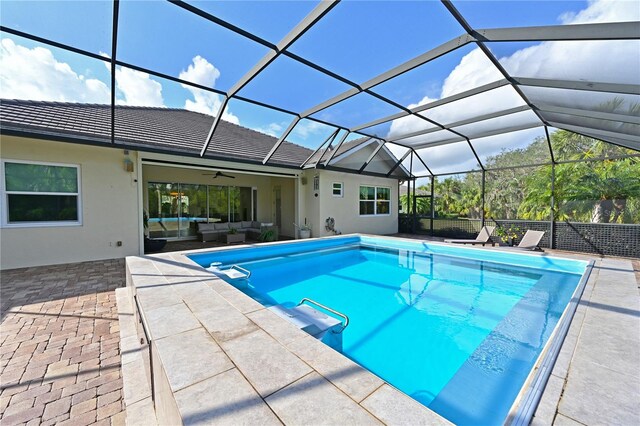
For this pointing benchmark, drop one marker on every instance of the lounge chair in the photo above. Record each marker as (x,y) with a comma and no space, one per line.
(530,241)
(484,237)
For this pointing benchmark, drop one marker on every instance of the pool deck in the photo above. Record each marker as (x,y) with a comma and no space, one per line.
(596,378)
(594,381)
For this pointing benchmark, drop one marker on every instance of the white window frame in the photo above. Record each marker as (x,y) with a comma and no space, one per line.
(374,201)
(333,189)
(4,198)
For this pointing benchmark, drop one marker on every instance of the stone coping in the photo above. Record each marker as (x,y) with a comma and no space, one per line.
(218,356)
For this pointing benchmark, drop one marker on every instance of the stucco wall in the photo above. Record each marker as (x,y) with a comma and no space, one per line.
(109,208)
(346,211)
(310,204)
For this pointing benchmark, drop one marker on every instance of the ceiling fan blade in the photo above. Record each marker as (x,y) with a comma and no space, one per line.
(218,174)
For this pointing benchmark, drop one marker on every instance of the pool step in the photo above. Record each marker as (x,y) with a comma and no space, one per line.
(308,319)
(234,272)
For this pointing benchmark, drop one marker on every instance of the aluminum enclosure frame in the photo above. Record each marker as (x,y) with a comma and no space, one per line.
(479,37)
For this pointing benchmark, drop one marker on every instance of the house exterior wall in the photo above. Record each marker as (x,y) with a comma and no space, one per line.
(112,199)
(109,205)
(346,209)
(310,204)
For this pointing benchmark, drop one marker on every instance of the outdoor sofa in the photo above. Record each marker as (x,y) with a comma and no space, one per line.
(214,231)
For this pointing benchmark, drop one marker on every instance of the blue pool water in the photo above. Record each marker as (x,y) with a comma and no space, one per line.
(458,334)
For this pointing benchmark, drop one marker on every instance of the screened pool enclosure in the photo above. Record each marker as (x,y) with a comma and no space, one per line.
(526,114)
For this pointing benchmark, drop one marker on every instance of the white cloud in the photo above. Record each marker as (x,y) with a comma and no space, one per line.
(204,73)
(201,72)
(272,129)
(405,125)
(306,128)
(310,134)
(35,74)
(584,60)
(135,88)
(138,89)
(604,11)
(474,70)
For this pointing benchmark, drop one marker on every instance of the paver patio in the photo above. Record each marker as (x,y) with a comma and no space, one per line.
(60,345)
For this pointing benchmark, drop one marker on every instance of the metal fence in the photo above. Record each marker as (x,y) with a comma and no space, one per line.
(598,238)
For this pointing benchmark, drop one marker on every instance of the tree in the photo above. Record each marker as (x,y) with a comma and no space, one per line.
(423,204)
(594,191)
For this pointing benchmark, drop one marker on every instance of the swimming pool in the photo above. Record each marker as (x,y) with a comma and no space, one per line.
(458,329)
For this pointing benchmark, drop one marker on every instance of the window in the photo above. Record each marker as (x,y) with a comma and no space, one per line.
(375,200)
(336,189)
(36,194)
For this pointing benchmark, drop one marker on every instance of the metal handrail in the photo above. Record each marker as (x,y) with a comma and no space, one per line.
(241,269)
(333,311)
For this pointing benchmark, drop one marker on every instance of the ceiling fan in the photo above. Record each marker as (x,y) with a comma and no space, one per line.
(218,174)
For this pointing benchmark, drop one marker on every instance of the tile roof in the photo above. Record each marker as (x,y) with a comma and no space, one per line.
(165,129)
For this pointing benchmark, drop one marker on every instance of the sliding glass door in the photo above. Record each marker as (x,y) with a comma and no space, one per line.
(164,201)
(218,203)
(175,208)
(193,208)
(240,205)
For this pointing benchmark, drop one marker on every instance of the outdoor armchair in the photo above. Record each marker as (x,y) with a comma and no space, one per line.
(484,237)
(530,240)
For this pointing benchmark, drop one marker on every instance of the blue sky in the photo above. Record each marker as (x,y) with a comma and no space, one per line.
(356,39)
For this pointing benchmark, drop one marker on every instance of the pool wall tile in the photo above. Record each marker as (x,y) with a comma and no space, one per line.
(164,400)
(135,381)
(134,355)
(141,413)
